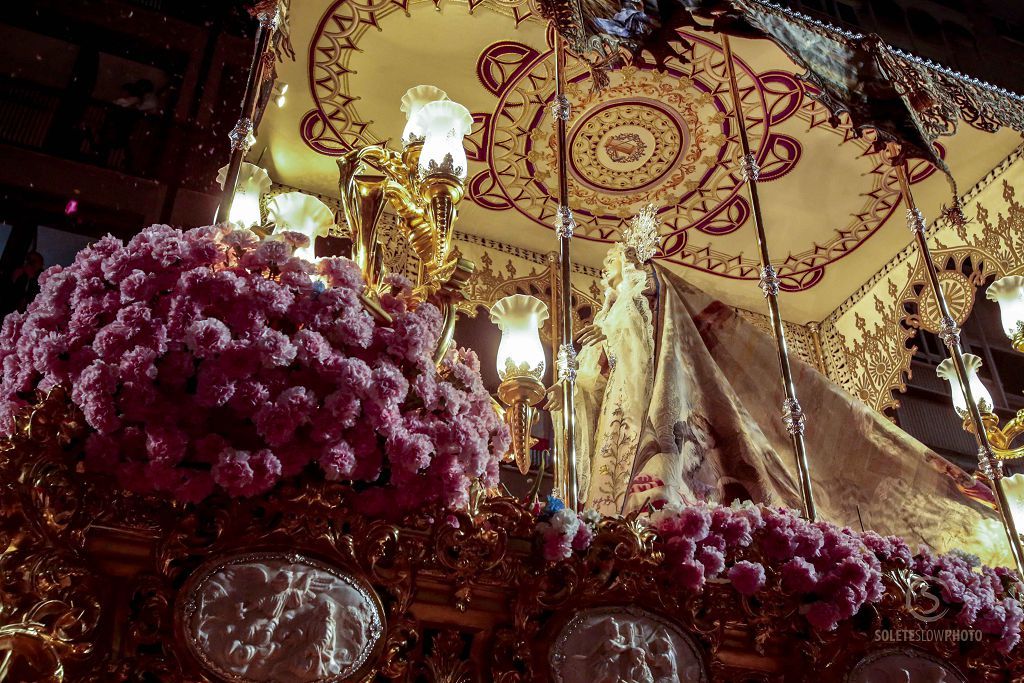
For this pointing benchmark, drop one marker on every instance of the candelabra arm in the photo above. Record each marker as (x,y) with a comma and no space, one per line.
(1000,438)
(521,393)
(448,292)
(443,192)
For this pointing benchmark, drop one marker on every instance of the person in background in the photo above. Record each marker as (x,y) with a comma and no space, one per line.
(23,284)
(147,99)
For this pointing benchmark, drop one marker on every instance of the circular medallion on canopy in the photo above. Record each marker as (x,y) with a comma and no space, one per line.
(627,145)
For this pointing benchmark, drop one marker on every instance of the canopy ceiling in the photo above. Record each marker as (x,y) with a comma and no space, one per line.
(831,207)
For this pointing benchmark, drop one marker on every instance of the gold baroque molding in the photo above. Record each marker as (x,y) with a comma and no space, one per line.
(879,360)
(93,578)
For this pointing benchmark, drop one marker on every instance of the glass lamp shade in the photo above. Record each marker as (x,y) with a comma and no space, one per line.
(444,124)
(1008,292)
(1014,487)
(299,212)
(253,182)
(412,101)
(520,352)
(947,371)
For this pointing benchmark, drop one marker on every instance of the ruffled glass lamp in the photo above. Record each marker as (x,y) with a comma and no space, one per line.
(442,165)
(947,371)
(521,366)
(414,100)
(299,212)
(253,183)
(1000,438)
(444,125)
(1009,293)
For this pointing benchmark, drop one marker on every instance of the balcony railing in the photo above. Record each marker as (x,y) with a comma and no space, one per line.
(93,131)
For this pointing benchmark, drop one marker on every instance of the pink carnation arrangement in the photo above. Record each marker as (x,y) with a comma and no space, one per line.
(209,359)
(832,571)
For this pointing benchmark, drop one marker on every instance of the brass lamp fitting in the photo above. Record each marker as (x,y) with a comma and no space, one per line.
(521,393)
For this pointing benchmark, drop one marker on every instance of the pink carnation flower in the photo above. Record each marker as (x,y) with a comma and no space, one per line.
(747,577)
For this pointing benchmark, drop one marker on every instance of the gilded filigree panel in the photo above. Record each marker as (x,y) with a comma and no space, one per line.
(865,341)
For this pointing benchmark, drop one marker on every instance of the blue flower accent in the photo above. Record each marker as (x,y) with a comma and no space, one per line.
(554,504)
(318,288)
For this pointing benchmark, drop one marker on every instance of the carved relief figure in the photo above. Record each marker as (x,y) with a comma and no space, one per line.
(275,620)
(904,667)
(623,645)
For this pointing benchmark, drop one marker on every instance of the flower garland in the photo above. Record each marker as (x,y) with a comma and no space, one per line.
(831,571)
(562,530)
(209,359)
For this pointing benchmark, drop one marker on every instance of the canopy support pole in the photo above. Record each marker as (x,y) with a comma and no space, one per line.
(564,227)
(988,463)
(239,135)
(792,414)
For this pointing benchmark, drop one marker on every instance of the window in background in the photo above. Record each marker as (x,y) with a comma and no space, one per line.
(58,247)
(926,410)
(33,57)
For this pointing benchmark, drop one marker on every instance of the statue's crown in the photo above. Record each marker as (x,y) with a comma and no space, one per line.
(641,235)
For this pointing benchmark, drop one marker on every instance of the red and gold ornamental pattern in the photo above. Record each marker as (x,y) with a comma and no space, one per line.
(665,137)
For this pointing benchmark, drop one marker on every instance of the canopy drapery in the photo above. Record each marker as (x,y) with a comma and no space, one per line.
(679,402)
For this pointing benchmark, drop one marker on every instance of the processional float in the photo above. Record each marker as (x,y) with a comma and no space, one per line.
(297,582)
(912,102)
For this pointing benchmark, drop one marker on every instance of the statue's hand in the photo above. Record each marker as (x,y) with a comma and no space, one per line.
(554,398)
(591,334)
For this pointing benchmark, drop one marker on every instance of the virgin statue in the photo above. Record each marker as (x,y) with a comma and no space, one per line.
(678,401)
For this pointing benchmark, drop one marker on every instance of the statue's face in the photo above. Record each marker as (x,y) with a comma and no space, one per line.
(281,581)
(616,279)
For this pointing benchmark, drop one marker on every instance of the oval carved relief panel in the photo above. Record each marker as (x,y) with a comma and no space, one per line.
(624,645)
(260,617)
(903,666)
